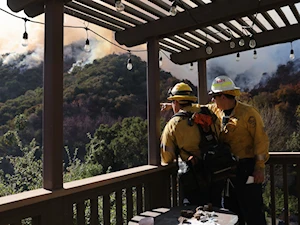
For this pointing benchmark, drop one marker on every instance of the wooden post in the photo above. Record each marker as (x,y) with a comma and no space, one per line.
(53,96)
(202,82)
(153,108)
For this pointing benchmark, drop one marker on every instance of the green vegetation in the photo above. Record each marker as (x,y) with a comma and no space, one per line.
(105,127)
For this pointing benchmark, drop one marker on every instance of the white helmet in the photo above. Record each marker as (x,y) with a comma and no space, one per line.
(225,85)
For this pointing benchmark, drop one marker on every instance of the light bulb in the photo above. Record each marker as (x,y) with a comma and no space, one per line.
(242,42)
(191,66)
(232,44)
(292,55)
(254,54)
(173,9)
(252,43)
(160,61)
(208,49)
(25,39)
(87,47)
(237,57)
(119,6)
(129,64)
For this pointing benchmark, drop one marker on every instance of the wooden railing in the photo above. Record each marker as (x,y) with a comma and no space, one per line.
(116,197)
(282,166)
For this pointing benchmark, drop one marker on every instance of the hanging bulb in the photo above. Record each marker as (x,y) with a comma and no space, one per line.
(119,6)
(232,44)
(25,39)
(254,54)
(208,49)
(252,43)
(191,66)
(242,42)
(160,61)
(129,64)
(292,55)
(237,57)
(87,47)
(173,9)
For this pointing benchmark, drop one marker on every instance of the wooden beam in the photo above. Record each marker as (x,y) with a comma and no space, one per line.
(192,19)
(18,5)
(34,9)
(267,38)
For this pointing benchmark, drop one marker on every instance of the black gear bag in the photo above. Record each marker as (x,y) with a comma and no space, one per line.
(217,162)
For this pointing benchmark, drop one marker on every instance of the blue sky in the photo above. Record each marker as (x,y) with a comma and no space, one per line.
(12,30)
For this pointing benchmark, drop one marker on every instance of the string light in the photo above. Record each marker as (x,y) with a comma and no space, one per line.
(292,55)
(208,49)
(25,35)
(160,61)
(232,44)
(254,54)
(119,6)
(129,62)
(241,42)
(237,57)
(87,47)
(191,66)
(252,42)
(173,9)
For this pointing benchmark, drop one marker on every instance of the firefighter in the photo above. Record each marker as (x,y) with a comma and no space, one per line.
(183,139)
(243,129)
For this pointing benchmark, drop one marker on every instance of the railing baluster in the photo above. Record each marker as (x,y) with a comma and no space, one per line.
(286,194)
(129,204)
(119,207)
(272,186)
(298,188)
(80,213)
(147,196)
(36,220)
(139,199)
(94,211)
(106,209)
(174,190)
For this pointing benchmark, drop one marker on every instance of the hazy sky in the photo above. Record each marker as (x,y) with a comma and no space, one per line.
(13,28)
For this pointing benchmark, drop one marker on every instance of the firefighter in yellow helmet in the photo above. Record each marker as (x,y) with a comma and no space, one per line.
(243,129)
(179,137)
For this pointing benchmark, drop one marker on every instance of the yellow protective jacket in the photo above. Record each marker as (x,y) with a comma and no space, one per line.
(245,133)
(178,134)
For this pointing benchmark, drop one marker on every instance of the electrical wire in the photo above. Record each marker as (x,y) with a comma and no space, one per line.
(79,27)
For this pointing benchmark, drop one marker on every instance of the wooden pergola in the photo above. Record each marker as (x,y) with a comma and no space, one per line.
(197,25)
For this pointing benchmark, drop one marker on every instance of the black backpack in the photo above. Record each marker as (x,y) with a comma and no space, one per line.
(217,161)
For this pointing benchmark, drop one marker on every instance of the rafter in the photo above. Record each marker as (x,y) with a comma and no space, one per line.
(214,13)
(281,35)
(17,5)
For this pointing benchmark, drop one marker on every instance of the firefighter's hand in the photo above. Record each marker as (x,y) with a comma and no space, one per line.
(259,176)
(165,106)
(193,160)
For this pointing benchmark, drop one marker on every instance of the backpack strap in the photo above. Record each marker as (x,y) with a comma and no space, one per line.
(185,114)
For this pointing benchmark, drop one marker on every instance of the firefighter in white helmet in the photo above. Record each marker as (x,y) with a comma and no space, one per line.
(183,139)
(243,129)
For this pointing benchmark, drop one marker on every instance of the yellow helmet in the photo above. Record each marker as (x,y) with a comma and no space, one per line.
(223,84)
(182,92)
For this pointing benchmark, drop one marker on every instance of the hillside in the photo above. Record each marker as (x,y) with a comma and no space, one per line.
(102,92)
